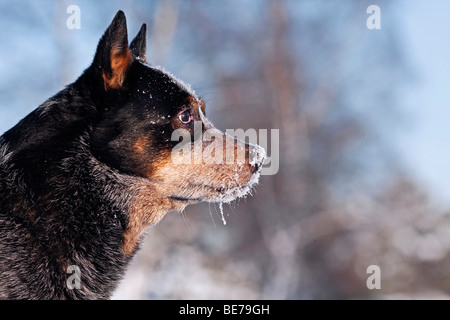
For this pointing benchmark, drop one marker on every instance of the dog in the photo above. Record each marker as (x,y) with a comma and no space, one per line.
(86,173)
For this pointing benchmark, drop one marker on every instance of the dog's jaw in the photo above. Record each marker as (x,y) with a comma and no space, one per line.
(150,201)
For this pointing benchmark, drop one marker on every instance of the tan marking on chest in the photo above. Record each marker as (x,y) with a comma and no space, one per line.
(146,208)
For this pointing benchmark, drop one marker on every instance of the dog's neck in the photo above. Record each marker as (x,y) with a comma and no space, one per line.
(126,206)
(135,202)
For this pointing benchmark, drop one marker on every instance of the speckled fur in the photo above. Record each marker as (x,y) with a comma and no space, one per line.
(85,174)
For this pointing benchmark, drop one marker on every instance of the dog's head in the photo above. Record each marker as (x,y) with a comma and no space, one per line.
(153,126)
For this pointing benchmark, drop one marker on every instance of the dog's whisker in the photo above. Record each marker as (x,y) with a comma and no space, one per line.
(186,221)
(210,214)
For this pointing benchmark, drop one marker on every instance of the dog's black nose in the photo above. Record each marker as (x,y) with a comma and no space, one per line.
(256,167)
(256,155)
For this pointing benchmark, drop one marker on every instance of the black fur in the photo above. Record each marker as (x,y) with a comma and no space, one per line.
(83,175)
(66,175)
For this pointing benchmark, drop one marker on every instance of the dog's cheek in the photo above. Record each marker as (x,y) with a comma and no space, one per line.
(143,156)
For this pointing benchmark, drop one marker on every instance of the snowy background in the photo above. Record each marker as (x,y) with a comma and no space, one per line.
(364,148)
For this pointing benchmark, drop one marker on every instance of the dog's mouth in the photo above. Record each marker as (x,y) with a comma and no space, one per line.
(238,182)
(209,197)
(218,194)
(184,199)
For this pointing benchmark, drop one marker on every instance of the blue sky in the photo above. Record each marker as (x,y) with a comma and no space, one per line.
(424,144)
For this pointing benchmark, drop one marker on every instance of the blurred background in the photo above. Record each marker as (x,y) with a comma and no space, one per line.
(364,139)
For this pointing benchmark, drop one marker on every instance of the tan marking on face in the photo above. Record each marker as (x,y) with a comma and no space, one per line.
(184,174)
(197,103)
(140,145)
(203,106)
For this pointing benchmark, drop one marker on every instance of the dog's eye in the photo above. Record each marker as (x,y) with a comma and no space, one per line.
(185,117)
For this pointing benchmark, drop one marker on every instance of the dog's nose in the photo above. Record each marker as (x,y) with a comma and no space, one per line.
(257,156)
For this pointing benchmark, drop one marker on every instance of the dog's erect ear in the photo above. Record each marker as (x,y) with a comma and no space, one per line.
(113,55)
(138,46)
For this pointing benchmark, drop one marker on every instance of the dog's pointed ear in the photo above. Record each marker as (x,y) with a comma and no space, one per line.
(113,55)
(138,46)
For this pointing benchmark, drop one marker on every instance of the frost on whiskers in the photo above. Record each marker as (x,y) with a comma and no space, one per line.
(233,193)
(221,213)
